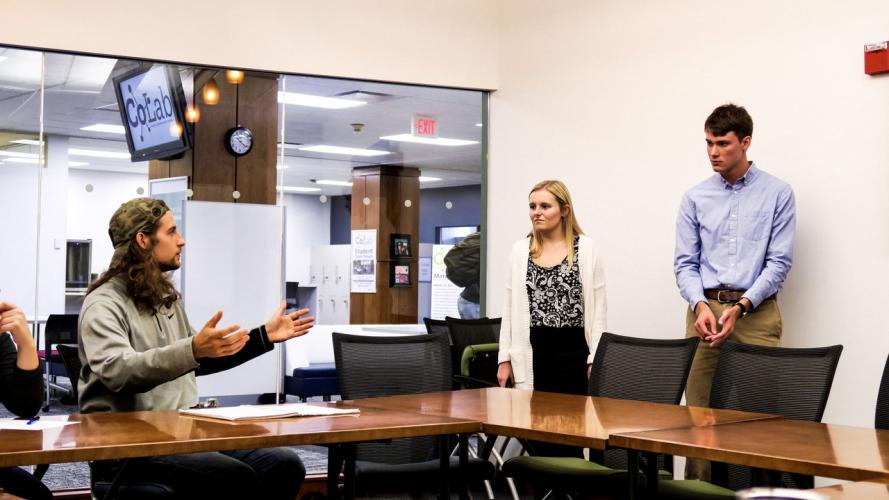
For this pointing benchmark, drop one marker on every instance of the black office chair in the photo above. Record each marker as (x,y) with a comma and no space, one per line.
(881,419)
(59,329)
(792,382)
(71,360)
(474,347)
(634,368)
(436,326)
(385,366)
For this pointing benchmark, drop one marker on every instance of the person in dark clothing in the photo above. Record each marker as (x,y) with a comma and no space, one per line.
(462,267)
(21,391)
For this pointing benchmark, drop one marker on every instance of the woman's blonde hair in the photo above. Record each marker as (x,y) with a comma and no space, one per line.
(570,227)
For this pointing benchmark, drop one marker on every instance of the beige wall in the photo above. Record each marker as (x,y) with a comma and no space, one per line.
(612,96)
(449,43)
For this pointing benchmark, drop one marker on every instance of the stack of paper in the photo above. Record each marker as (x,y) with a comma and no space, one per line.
(259,412)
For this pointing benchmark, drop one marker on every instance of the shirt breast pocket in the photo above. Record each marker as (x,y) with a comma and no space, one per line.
(756,226)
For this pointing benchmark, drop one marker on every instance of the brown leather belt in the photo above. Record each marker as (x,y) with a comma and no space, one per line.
(723,294)
(726,295)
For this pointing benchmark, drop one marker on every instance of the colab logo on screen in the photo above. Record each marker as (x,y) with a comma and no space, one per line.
(149,108)
(146,110)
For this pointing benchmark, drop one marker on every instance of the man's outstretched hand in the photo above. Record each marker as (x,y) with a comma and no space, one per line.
(283,327)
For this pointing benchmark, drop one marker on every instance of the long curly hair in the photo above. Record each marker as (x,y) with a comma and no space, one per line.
(148,285)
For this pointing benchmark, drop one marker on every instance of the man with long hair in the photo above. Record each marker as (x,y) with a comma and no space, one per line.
(734,248)
(139,352)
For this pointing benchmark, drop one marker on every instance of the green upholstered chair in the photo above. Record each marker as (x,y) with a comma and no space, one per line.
(623,368)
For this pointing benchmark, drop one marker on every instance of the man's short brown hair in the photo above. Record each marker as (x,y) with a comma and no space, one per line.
(730,118)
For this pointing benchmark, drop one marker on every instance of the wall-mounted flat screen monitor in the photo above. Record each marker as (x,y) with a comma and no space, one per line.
(152,108)
(451,235)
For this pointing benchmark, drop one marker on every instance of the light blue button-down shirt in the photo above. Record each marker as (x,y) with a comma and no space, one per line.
(737,237)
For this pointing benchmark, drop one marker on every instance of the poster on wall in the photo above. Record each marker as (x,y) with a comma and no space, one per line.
(444,293)
(364,258)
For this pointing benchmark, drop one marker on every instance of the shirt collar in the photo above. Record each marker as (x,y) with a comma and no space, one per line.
(749,177)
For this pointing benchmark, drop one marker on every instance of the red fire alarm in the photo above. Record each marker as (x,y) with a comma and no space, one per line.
(876,58)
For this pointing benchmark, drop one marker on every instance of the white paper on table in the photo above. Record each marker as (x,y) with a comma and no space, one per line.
(36,425)
(261,412)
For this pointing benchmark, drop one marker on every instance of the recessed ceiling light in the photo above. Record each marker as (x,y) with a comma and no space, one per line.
(98,154)
(316,101)
(35,161)
(105,128)
(339,150)
(478,124)
(16,154)
(281,167)
(3,58)
(297,189)
(287,145)
(429,179)
(28,142)
(328,182)
(30,161)
(438,141)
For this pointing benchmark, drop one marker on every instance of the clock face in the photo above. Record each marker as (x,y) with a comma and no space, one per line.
(239,141)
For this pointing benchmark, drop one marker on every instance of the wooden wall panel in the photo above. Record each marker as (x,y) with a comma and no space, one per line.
(258,111)
(214,167)
(388,188)
(158,169)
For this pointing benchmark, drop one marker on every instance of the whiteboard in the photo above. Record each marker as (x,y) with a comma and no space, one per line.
(233,263)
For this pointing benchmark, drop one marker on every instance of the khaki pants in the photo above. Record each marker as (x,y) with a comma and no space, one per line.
(762,326)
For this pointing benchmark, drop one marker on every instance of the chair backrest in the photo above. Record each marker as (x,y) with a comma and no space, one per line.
(370,366)
(60,329)
(436,326)
(881,419)
(71,360)
(467,332)
(652,370)
(792,382)
(642,369)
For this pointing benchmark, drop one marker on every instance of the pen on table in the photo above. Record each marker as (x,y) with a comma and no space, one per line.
(32,420)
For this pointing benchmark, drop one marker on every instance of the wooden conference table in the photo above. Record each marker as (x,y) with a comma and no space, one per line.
(557,418)
(101,436)
(838,451)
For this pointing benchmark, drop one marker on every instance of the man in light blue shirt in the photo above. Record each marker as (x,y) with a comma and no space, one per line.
(734,248)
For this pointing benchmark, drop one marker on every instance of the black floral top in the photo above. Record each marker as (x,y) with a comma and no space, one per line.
(555,293)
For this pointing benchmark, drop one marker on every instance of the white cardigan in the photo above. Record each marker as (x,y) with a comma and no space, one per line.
(515,329)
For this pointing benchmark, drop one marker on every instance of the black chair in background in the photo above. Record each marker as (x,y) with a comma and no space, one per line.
(881,419)
(437,326)
(634,368)
(474,346)
(59,329)
(386,366)
(71,360)
(792,382)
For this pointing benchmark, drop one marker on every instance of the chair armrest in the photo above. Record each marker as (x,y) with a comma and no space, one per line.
(471,351)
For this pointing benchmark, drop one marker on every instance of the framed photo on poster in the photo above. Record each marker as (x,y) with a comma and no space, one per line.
(400,275)
(399,245)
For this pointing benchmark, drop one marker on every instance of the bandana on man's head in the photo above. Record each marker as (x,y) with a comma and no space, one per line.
(134,216)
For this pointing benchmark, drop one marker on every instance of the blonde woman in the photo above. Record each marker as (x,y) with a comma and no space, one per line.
(554,309)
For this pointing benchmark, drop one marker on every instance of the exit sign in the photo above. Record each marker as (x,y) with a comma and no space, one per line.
(424,126)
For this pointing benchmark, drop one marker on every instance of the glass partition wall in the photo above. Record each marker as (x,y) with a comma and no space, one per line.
(342,196)
(374,181)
